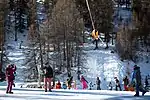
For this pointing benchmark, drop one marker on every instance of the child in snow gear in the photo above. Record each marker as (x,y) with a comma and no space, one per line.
(146,82)
(117,84)
(137,78)
(91,85)
(69,80)
(126,82)
(84,83)
(64,85)
(130,88)
(48,75)
(110,86)
(10,77)
(58,85)
(98,82)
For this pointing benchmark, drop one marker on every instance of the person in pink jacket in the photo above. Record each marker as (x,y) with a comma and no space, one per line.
(10,77)
(84,83)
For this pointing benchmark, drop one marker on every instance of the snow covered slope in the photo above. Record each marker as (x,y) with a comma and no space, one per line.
(39,94)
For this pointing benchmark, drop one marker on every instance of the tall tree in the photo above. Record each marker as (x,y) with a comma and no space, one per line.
(141,14)
(67,25)
(3,13)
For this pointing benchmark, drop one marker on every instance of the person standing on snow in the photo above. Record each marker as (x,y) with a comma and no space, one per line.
(107,39)
(10,77)
(137,78)
(84,83)
(117,84)
(48,75)
(98,82)
(126,82)
(146,82)
(110,87)
(69,80)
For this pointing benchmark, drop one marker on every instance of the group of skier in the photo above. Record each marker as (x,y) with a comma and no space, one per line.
(48,76)
(135,82)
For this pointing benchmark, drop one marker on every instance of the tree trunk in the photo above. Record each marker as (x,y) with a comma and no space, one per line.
(36,68)
(41,57)
(15,27)
(3,13)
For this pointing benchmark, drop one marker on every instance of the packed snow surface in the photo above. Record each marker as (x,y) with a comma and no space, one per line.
(61,94)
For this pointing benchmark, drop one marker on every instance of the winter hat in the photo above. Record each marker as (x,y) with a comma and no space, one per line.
(136,67)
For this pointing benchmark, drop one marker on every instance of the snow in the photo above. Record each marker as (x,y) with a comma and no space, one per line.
(61,94)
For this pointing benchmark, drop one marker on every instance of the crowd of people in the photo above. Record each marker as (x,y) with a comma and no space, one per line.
(134,85)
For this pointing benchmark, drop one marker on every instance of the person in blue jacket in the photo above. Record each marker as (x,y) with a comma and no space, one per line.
(136,77)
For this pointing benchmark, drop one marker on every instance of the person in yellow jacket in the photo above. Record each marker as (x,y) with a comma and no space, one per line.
(95,36)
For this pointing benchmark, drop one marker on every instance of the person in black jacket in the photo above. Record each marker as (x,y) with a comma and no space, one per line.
(117,84)
(69,80)
(48,75)
(126,83)
(138,84)
(98,82)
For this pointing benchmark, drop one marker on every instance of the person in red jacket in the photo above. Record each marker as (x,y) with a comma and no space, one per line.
(58,85)
(10,77)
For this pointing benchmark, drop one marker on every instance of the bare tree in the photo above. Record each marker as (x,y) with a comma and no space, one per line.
(3,13)
(67,25)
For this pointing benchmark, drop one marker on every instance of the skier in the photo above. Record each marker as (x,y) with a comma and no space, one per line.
(98,82)
(84,82)
(117,84)
(107,39)
(48,75)
(110,86)
(10,77)
(126,82)
(137,78)
(146,82)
